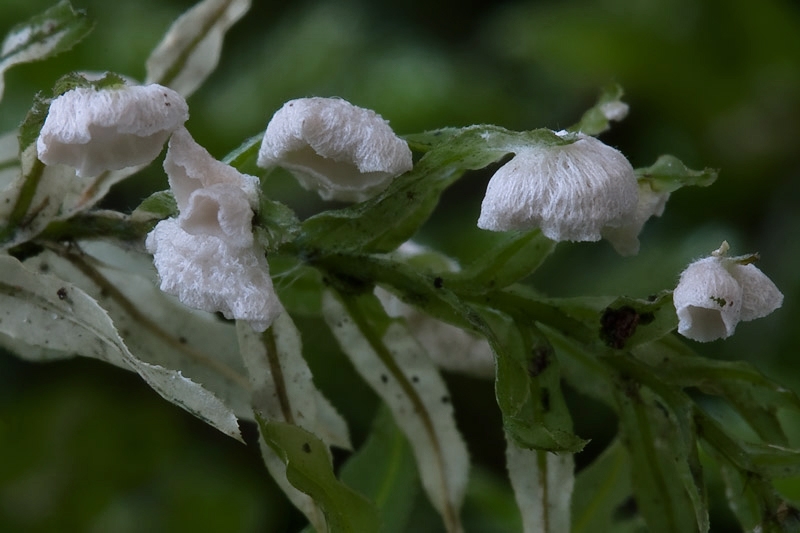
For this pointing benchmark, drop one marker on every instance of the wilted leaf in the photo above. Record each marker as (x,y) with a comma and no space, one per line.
(47,312)
(309,469)
(44,35)
(396,367)
(190,50)
(384,471)
(542,483)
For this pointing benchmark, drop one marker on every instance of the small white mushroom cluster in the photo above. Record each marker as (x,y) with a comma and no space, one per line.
(207,255)
(715,293)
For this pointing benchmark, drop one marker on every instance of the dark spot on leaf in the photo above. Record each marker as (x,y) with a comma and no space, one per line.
(438,282)
(618,325)
(544,397)
(631,389)
(62,293)
(541,357)
(787,513)
(306,447)
(445,399)
(652,298)
(646,318)
(415,379)
(182,340)
(384,378)
(626,510)
(411,195)
(44,267)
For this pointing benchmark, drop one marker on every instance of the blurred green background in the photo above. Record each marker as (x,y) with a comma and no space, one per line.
(86,447)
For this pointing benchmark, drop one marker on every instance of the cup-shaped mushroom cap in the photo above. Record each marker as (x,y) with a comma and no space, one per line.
(708,301)
(572,192)
(206,273)
(213,198)
(341,151)
(109,129)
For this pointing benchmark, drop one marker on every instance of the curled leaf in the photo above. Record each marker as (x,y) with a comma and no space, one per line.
(44,311)
(190,50)
(44,35)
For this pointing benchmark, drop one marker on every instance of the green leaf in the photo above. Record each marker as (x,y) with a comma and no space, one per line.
(603,497)
(528,387)
(629,322)
(542,483)
(515,256)
(275,224)
(309,469)
(382,223)
(49,313)
(398,370)
(9,158)
(668,174)
(383,469)
(190,50)
(283,390)
(657,428)
(756,398)
(245,156)
(47,34)
(157,206)
(609,106)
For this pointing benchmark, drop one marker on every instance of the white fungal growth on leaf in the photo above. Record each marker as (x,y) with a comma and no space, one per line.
(95,130)
(625,238)
(341,151)
(207,256)
(573,192)
(715,293)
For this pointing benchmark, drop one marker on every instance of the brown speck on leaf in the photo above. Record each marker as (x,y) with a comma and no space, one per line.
(618,325)
(306,447)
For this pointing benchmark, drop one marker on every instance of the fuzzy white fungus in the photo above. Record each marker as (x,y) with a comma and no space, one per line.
(625,238)
(572,192)
(95,131)
(343,152)
(207,256)
(715,293)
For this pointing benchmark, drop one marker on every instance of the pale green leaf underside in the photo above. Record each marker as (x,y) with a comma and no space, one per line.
(191,48)
(542,483)
(396,367)
(48,313)
(49,33)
